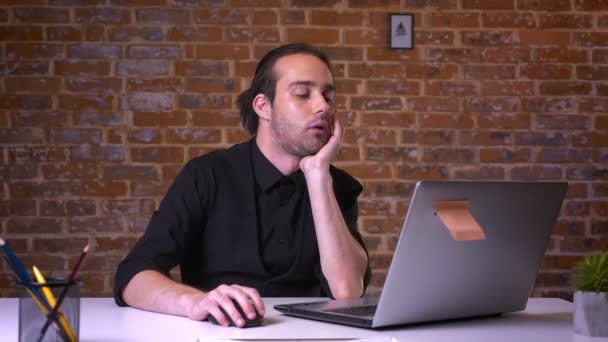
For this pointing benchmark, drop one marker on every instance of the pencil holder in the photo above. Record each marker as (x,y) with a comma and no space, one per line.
(34,311)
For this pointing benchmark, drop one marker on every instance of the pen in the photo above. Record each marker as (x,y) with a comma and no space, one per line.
(51,300)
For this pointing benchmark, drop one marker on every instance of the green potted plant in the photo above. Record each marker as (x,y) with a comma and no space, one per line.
(591,296)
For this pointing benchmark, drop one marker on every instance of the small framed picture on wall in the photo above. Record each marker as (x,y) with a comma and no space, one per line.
(402,30)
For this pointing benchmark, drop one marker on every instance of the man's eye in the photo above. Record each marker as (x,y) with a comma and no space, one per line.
(303,95)
(329,100)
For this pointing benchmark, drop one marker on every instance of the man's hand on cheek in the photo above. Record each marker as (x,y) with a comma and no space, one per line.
(321,160)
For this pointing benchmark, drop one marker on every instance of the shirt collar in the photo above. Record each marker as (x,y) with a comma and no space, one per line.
(266,174)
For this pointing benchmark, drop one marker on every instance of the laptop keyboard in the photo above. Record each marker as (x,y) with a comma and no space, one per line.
(366,310)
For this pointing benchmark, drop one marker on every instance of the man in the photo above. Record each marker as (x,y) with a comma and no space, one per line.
(267,217)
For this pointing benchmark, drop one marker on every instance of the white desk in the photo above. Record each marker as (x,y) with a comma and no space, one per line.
(102,321)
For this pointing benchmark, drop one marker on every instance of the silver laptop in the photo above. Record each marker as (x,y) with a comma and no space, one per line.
(437,274)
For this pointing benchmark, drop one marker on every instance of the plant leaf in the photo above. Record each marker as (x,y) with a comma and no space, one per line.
(591,274)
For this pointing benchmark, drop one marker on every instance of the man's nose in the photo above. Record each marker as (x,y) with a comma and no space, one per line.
(322,105)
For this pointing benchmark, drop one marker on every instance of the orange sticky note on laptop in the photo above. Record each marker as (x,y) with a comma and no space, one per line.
(457,218)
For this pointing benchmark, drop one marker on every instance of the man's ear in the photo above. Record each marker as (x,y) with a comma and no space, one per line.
(262,106)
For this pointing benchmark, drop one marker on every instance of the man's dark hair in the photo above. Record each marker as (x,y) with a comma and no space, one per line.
(265,80)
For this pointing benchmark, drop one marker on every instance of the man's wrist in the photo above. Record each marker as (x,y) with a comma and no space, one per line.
(190,300)
(317,176)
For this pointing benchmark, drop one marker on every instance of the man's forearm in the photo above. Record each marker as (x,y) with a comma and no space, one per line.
(152,291)
(343,260)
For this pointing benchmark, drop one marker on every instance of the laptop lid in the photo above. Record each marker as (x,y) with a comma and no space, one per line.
(437,275)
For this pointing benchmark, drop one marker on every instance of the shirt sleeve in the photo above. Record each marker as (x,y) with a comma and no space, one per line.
(347,191)
(162,246)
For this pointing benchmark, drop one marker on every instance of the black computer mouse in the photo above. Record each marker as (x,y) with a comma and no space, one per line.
(257,321)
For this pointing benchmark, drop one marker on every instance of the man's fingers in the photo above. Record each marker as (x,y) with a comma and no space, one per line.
(215,311)
(338,127)
(253,297)
(242,299)
(248,299)
(222,304)
(226,303)
(223,289)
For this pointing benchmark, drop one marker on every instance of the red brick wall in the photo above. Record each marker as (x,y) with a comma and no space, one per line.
(103,101)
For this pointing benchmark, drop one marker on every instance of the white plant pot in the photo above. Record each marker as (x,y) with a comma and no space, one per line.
(591,313)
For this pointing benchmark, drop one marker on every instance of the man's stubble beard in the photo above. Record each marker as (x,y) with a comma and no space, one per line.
(292,139)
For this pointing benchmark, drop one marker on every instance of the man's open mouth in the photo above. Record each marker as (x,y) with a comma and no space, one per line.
(320,127)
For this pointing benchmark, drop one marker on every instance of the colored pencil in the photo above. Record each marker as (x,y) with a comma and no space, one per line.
(15,264)
(59,329)
(22,274)
(63,293)
(23,277)
(51,299)
(42,308)
(29,290)
(11,265)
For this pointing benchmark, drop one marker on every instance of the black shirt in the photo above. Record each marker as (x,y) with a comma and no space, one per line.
(280,206)
(230,217)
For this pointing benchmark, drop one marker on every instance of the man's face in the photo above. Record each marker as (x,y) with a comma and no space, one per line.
(302,116)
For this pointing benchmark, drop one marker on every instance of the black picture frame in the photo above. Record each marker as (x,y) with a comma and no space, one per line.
(401,30)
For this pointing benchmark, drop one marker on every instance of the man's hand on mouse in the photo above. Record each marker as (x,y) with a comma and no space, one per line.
(211,303)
